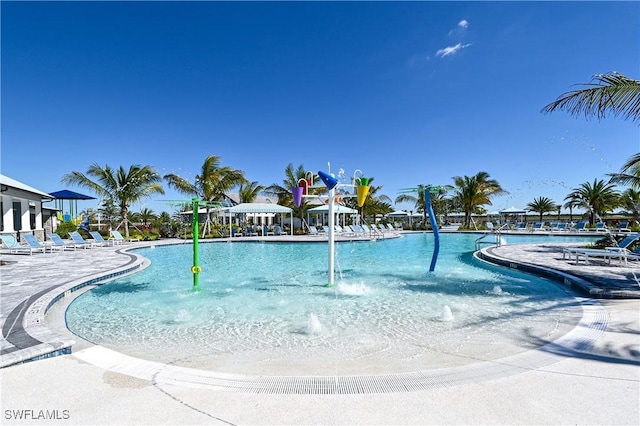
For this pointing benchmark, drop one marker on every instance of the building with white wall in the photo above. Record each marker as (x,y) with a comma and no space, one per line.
(21,208)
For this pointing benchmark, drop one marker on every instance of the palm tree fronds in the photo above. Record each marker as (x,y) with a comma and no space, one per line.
(611,93)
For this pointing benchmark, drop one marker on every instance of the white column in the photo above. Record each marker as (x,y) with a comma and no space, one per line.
(7,213)
(26,215)
(39,224)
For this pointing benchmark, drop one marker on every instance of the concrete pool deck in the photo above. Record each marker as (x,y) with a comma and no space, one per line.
(596,383)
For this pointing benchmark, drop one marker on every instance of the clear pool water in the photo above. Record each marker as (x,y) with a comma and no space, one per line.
(263,308)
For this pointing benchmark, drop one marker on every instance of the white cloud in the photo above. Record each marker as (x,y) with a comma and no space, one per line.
(451,50)
(463,24)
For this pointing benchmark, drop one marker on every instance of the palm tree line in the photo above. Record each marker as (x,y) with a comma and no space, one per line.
(606,94)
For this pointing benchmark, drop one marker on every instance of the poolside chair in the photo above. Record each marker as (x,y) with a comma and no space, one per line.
(623,226)
(80,241)
(521,226)
(13,246)
(119,239)
(277,230)
(58,242)
(625,243)
(601,227)
(581,226)
(538,226)
(33,242)
(99,240)
(313,231)
(586,253)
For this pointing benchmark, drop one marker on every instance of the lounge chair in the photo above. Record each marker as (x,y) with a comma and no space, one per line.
(601,227)
(623,226)
(119,239)
(313,231)
(624,244)
(99,240)
(266,231)
(33,242)
(57,241)
(538,226)
(586,253)
(581,226)
(81,242)
(277,230)
(521,226)
(13,246)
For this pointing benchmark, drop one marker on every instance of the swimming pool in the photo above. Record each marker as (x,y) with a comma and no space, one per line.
(263,308)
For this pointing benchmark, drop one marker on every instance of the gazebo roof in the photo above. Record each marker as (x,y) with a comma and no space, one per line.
(258,208)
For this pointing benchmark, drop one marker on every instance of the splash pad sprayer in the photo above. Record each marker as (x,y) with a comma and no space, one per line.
(428,190)
(361,186)
(195,269)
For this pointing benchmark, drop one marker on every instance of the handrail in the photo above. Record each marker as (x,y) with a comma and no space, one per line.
(495,232)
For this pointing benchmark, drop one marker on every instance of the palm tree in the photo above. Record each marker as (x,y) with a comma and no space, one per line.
(606,93)
(542,205)
(146,215)
(417,200)
(122,187)
(475,191)
(572,201)
(249,191)
(598,198)
(630,202)
(629,173)
(283,191)
(210,185)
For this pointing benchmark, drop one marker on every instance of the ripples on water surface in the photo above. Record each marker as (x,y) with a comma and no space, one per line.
(263,308)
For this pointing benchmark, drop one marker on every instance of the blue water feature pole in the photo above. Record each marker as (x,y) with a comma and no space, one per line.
(434,224)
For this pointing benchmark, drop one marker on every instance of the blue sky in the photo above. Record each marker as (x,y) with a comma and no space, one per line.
(409,93)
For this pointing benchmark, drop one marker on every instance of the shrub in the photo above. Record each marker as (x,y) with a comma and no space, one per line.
(64,228)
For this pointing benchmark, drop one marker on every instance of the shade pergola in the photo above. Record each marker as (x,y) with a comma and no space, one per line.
(513,210)
(259,208)
(336,209)
(72,197)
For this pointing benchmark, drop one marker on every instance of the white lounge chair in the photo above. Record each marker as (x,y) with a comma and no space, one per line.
(14,247)
(33,242)
(80,241)
(586,253)
(119,239)
(57,241)
(99,240)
